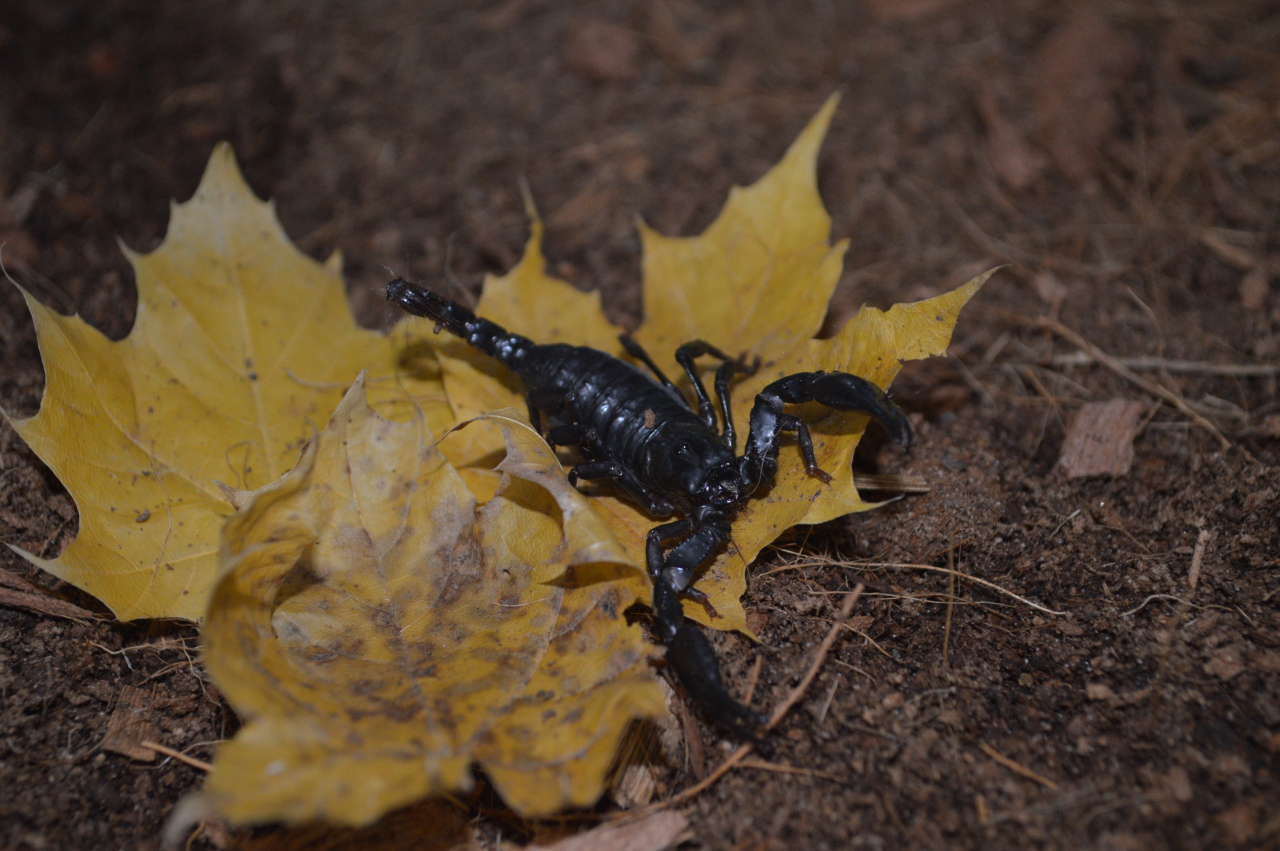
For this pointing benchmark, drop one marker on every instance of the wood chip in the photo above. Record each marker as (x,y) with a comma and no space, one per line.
(1099,691)
(633,786)
(1254,288)
(602,51)
(1100,439)
(632,782)
(129,726)
(653,833)
(1049,288)
(891,483)
(1226,663)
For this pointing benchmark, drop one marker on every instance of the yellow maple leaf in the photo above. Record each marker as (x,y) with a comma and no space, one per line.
(381,633)
(241,349)
(757,281)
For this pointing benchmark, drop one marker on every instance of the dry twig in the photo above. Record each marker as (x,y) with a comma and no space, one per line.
(1017,768)
(178,755)
(1197,559)
(1055,327)
(1185,367)
(951,606)
(788,769)
(903,566)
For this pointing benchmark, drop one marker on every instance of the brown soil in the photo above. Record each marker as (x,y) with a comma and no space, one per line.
(1121,157)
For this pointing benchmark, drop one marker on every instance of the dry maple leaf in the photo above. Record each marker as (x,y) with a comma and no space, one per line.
(380,632)
(241,349)
(757,281)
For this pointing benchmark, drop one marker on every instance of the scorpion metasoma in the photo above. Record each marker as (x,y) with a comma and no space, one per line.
(645,436)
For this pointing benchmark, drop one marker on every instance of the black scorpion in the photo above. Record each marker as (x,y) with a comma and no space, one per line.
(646,437)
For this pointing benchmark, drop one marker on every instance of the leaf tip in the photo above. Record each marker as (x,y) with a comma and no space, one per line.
(969,288)
(530,207)
(222,178)
(238,498)
(807,144)
(828,108)
(131,255)
(334,264)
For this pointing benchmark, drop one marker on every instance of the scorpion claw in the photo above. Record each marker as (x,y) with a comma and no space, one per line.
(821,475)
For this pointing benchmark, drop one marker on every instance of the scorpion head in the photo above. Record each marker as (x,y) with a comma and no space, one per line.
(695,468)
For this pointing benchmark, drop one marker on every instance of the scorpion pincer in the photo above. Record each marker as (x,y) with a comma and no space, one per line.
(645,436)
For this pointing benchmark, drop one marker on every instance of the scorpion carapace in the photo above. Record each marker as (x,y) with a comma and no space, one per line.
(644,435)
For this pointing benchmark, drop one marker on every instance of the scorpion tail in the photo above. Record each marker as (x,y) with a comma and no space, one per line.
(422,302)
(690,655)
(694,662)
(489,337)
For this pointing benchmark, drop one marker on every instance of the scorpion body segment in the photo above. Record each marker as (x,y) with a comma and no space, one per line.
(643,434)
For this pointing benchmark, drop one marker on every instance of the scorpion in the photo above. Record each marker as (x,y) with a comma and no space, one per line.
(645,436)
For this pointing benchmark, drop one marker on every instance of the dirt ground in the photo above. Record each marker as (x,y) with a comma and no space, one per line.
(1123,158)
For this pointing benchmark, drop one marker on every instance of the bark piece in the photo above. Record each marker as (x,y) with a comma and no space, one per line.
(1100,439)
(130,726)
(18,593)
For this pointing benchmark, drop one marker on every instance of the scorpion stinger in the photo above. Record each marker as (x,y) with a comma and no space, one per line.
(650,441)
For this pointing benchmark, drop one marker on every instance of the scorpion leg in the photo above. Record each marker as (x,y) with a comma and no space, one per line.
(602,465)
(786,422)
(652,503)
(637,351)
(568,434)
(723,376)
(597,470)
(541,399)
(701,599)
(657,536)
(685,355)
(838,390)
